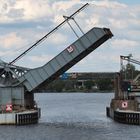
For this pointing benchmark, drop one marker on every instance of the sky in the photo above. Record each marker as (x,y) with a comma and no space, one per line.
(23,22)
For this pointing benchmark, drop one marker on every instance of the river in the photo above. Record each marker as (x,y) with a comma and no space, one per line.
(72,116)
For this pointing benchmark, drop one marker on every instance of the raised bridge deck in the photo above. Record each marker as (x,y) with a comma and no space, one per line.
(36,78)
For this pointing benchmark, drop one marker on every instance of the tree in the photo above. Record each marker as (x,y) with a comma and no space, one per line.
(129,72)
(89,84)
(69,85)
(56,86)
(104,84)
(59,86)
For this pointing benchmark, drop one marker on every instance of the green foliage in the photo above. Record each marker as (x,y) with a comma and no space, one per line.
(69,85)
(104,84)
(129,72)
(89,84)
(56,86)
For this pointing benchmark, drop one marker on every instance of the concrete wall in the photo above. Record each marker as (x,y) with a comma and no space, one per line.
(8,118)
(11,95)
(131,104)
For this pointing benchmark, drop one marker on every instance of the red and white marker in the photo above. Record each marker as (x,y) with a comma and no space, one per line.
(70,49)
(9,108)
(124,104)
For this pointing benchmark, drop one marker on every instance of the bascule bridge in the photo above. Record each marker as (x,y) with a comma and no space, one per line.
(18,84)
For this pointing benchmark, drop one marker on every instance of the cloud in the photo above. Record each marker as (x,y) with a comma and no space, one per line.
(28,20)
(7,53)
(11,41)
(34,9)
(25,10)
(63,6)
(133,35)
(15,13)
(123,44)
(119,23)
(58,39)
(41,59)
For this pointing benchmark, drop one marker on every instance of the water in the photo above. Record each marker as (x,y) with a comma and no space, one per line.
(70,116)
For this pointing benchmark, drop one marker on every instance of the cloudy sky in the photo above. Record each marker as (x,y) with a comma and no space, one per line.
(23,22)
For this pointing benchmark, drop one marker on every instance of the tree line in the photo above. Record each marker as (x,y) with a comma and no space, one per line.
(99,85)
(73,86)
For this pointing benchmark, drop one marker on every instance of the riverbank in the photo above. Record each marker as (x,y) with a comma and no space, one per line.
(80,91)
